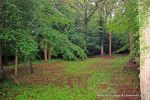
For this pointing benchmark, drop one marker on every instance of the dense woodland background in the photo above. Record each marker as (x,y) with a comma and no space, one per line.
(67,29)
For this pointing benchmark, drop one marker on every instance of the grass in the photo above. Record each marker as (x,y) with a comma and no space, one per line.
(75,67)
(26,92)
(102,75)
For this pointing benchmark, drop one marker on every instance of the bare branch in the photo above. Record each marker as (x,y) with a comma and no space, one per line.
(92,12)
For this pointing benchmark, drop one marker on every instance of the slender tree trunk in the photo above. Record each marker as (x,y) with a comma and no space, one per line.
(102,50)
(101,35)
(1,63)
(145,62)
(49,55)
(110,43)
(31,67)
(85,15)
(45,54)
(49,51)
(131,38)
(16,63)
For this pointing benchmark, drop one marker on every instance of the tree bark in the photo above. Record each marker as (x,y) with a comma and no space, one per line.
(85,15)
(1,64)
(110,43)
(49,51)
(131,39)
(31,67)
(145,62)
(45,54)
(49,55)
(102,50)
(16,63)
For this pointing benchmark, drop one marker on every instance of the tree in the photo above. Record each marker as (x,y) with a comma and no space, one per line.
(51,29)
(1,63)
(16,31)
(106,8)
(110,43)
(102,34)
(125,15)
(86,9)
(1,27)
(144,16)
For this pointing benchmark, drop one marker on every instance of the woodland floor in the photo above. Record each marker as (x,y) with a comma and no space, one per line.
(97,78)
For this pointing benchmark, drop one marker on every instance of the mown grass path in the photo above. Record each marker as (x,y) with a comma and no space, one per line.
(97,78)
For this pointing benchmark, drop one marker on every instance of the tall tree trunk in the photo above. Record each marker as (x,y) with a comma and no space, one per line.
(49,51)
(16,63)
(102,50)
(85,15)
(110,43)
(131,39)
(145,62)
(101,35)
(85,26)
(49,55)
(45,54)
(31,67)
(1,63)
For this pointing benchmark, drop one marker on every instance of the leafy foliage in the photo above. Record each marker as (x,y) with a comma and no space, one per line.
(59,26)
(126,16)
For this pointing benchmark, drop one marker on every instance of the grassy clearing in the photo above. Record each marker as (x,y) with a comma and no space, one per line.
(100,82)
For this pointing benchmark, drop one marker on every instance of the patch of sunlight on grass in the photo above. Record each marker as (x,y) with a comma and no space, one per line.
(74,67)
(120,61)
(99,77)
